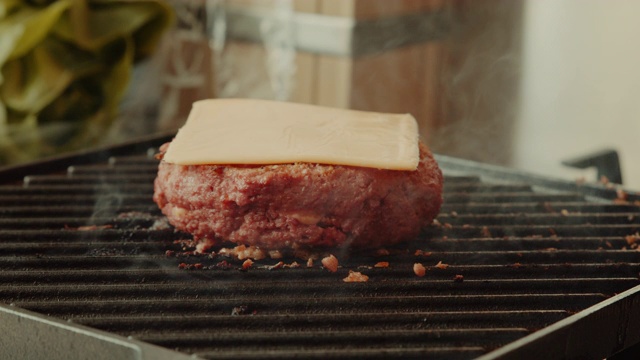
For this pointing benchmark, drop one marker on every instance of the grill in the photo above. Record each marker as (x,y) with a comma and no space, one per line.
(531,267)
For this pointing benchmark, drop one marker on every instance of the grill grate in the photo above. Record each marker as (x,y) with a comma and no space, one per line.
(89,246)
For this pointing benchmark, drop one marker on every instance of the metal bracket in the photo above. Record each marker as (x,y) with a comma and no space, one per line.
(606,161)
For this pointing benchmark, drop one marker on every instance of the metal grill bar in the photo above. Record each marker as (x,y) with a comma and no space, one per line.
(85,243)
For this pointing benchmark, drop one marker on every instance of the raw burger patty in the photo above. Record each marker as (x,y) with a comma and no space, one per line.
(300,205)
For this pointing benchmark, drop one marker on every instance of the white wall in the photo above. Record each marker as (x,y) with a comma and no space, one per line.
(580,85)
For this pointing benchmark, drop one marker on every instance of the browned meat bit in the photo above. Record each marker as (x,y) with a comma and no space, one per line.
(382,252)
(309,262)
(382,264)
(422,253)
(163,149)
(224,265)
(441,265)
(247,264)
(458,278)
(632,239)
(277,266)
(242,252)
(486,232)
(355,276)
(419,269)
(185,266)
(169,253)
(94,227)
(240,310)
(330,263)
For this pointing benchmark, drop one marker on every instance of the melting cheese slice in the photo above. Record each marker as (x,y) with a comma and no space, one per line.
(243,131)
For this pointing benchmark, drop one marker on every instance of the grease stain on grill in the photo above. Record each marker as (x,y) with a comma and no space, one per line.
(502,261)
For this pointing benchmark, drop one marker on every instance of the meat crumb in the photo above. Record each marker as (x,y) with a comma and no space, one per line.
(160,224)
(247,264)
(277,266)
(293,265)
(275,254)
(241,310)
(382,252)
(441,265)
(419,269)
(422,253)
(382,264)
(204,246)
(486,232)
(458,278)
(309,262)
(224,265)
(330,263)
(355,276)
(631,239)
(242,252)
(94,227)
(564,212)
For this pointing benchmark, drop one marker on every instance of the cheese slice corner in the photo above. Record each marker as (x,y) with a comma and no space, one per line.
(248,131)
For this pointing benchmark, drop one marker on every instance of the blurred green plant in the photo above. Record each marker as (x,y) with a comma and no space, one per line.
(65,66)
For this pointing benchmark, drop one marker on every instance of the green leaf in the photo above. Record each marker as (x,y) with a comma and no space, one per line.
(35,80)
(65,66)
(6,6)
(32,25)
(105,21)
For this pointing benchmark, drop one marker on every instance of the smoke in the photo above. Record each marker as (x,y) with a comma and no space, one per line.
(480,81)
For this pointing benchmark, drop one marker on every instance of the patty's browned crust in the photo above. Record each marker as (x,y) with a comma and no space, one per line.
(301,204)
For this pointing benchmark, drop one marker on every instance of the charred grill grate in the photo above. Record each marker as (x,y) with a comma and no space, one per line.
(89,246)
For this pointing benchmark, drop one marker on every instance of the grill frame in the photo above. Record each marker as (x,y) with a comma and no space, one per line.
(566,338)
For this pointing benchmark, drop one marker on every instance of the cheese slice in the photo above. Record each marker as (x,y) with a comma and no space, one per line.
(244,131)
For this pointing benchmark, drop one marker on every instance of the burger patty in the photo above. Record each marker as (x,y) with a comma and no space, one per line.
(300,205)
